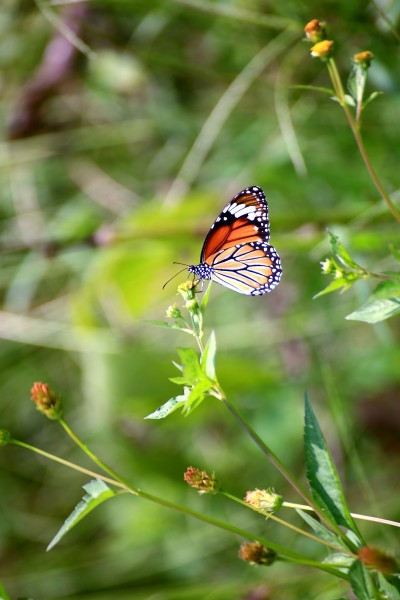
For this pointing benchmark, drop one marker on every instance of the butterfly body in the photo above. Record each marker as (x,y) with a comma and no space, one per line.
(236,252)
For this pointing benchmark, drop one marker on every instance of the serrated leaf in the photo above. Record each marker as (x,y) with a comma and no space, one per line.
(191,365)
(97,493)
(382,304)
(169,407)
(208,359)
(322,475)
(197,395)
(360,581)
(321,530)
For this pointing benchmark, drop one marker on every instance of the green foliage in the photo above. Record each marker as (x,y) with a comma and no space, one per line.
(97,493)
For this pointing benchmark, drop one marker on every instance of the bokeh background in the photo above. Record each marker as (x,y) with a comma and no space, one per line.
(126,126)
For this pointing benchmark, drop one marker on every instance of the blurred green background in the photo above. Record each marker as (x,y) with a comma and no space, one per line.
(127,125)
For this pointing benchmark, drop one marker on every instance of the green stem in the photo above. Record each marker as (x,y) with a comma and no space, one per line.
(293,556)
(284,472)
(337,84)
(271,516)
(91,454)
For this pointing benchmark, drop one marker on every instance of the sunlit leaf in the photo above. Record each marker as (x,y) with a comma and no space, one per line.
(169,407)
(97,493)
(322,474)
(382,304)
(208,359)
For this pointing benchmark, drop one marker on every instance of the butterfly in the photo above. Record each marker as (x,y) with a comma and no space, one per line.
(236,252)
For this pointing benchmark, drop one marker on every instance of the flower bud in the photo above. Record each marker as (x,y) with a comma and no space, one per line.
(173,312)
(265,501)
(364,59)
(256,554)
(5,437)
(200,480)
(315,31)
(46,400)
(322,50)
(377,559)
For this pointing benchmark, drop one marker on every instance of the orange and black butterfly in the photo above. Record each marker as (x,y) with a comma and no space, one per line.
(236,252)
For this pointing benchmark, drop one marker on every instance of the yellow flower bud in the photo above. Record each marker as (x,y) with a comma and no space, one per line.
(322,50)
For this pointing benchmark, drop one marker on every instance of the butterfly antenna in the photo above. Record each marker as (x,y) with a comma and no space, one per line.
(176,274)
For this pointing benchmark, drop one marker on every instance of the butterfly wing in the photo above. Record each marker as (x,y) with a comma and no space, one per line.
(236,249)
(244,219)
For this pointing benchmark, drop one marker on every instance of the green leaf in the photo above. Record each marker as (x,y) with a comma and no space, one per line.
(169,406)
(390,585)
(97,492)
(371,98)
(3,593)
(382,304)
(191,365)
(322,474)
(206,297)
(321,530)
(356,82)
(197,395)
(339,250)
(208,359)
(360,581)
(166,325)
(335,285)
(349,100)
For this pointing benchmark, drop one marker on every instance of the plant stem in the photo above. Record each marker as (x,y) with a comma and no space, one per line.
(354,515)
(338,86)
(288,525)
(293,556)
(91,454)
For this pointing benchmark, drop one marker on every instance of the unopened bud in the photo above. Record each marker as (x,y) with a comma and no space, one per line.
(46,400)
(265,501)
(173,312)
(256,554)
(364,58)
(315,31)
(377,559)
(5,437)
(200,480)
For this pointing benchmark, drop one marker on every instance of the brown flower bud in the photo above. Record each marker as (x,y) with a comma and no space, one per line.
(256,554)
(315,31)
(377,559)
(200,480)
(46,400)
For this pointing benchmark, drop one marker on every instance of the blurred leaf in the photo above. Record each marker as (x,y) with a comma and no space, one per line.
(206,297)
(166,325)
(356,82)
(349,100)
(339,250)
(360,581)
(322,474)
(3,593)
(372,97)
(208,358)
(197,395)
(390,585)
(336,284)
(382,304)
(191,366)
(97,493)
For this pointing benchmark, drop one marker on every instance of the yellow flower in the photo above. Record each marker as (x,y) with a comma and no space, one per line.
(363,58)
(322,50)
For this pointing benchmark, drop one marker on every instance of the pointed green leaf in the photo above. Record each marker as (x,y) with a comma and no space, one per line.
(166,325)
(356,82)
(208,359)
(322,474)
(371,98)
(97,492)
(339,250)
(169,407)
(340,282)
(197,395)
(349,100)
(382,304)
(360,581)
(321,530)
